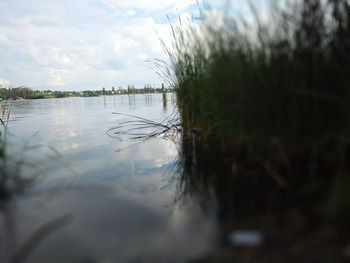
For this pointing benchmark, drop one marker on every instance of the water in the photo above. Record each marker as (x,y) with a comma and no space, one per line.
(86,201)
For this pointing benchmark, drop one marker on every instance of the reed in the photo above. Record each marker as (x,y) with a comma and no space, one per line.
(270,95)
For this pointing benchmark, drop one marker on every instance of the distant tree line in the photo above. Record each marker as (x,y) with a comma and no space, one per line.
(20,93)
(28,93)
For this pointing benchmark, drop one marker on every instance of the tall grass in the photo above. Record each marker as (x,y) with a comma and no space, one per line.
(271,92)
(284,77)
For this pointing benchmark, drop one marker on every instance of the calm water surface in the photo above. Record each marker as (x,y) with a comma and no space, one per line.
(86,200)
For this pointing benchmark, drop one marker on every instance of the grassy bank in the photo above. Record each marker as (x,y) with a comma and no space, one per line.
(270,95)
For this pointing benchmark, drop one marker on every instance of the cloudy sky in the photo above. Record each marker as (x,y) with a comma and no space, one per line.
(84,44)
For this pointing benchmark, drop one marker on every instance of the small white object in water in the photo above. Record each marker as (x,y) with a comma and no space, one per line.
(246,238)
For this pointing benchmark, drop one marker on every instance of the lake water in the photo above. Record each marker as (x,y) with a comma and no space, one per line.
(94,198)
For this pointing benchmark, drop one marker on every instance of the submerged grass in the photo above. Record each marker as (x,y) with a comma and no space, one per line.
(21,162)
(11,180)
(271,95)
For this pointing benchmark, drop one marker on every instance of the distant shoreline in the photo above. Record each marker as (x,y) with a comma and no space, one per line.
(23,93)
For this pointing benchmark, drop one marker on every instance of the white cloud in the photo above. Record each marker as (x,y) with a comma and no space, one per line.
(82,44)
(4,82)
(151,5)
(4,40)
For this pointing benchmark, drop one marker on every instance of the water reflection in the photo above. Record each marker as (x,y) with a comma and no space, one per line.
(173,99)
(240,190)
(130,230)
(148,100)
(104,102)
(18,174)
(96,204)
(165,102)
(132,102)
(258,214)
(242,195)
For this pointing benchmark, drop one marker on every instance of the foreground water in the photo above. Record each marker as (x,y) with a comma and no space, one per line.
(87,201)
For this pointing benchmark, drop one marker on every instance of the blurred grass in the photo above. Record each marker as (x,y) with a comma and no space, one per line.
(271,93)
(12,179)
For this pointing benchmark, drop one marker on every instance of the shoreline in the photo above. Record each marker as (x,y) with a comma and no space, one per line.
(98,95)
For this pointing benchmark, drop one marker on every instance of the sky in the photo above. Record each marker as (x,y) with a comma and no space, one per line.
(84,44)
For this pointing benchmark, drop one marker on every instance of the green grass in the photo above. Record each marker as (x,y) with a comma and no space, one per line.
(289,81)
(272,95)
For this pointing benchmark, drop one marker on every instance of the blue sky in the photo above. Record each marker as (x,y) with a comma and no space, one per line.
(84,44)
